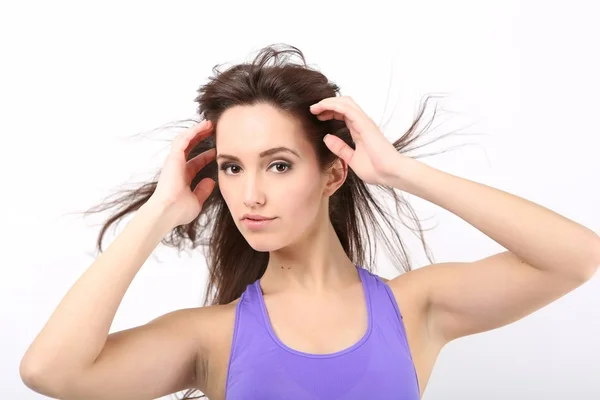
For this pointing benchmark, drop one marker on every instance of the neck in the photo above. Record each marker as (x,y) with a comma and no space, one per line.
(315,263)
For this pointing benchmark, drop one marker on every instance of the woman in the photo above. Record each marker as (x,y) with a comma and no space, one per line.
(283,210)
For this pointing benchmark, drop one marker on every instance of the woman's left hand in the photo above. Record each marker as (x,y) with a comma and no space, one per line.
(374,156)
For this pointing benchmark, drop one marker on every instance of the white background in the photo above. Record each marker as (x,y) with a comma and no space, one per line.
(79,79)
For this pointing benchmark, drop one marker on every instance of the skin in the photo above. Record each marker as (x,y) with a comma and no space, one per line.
(547,257)
(305,255)
(308,271)
(311,288)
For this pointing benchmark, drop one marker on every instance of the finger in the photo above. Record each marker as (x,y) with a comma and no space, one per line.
(197,132)
(199,136)
(200,161)
(182,140)
(203,189)
(339,148)
(336,106)
(327,115)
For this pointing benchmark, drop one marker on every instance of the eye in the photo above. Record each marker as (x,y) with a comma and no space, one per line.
(280,167)
(225,167)
(282,164)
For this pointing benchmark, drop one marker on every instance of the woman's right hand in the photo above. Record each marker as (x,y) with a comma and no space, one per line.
(173,188)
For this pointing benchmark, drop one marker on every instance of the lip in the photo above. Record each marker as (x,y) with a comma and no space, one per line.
(256,224)
(255,217)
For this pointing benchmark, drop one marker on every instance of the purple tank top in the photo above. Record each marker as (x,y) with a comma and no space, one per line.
(378,366)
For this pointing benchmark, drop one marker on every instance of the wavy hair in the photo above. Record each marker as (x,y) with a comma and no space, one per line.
(279,75)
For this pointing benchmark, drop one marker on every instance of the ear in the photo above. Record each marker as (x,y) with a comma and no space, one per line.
(336,176)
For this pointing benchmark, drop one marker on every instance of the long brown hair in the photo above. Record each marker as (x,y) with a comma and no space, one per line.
(279,76)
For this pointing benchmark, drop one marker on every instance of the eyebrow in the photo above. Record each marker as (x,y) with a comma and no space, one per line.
(266,153)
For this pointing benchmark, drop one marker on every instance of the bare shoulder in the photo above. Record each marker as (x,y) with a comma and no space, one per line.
(413,294)
(203,323)
(213,322)
(210,326)
(217,324)
(410,291)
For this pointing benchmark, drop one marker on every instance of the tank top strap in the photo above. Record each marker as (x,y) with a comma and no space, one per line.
(380,302)
(378,366)
(249,329)
(383,301)
(387,316)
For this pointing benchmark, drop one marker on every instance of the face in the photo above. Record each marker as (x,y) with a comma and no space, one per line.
(257,176)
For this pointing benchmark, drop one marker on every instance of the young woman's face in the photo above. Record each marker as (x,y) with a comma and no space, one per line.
(285,186)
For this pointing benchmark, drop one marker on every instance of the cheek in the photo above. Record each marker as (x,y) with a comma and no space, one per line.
(299,201)
(228,196)
(296,199)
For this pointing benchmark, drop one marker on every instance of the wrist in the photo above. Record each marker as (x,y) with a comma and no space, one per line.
(398,170)
(160,213)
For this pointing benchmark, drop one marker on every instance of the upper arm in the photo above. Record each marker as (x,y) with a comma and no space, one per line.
(145,362)
(461,299)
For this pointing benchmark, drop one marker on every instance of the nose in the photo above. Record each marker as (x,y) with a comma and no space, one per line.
(253,194)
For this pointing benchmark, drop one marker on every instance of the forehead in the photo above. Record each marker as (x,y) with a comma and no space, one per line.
(252,129)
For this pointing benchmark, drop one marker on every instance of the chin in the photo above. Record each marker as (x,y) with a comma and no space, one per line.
(264,244)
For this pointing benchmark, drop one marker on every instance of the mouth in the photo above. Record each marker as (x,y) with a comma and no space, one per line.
(256,223)
(256,217)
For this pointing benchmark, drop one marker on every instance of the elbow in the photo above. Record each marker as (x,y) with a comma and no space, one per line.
(596,259)
(39,378)
(31,375)
(589,269)
(586,273)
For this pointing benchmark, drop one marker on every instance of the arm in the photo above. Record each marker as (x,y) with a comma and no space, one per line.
(74,356)
(547,255)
